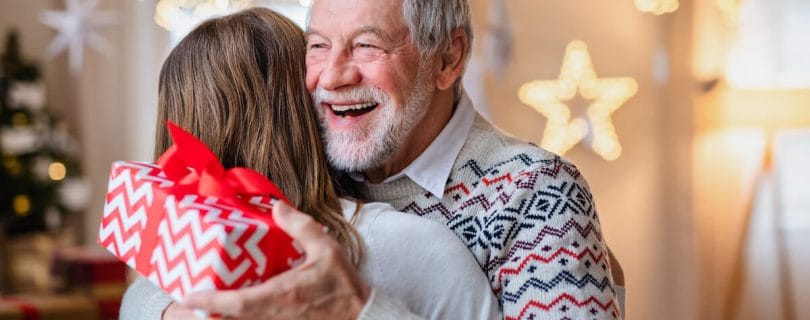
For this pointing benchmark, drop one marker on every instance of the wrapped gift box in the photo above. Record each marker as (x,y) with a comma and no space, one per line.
(28,262)
(93,272)
(24,307)
(80,267)
(187,224)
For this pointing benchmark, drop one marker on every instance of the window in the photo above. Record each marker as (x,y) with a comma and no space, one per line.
(772,46)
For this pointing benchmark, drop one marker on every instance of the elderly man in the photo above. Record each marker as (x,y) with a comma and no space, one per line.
(385,76)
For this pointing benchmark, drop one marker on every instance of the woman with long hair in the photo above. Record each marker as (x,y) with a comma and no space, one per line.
(237,84)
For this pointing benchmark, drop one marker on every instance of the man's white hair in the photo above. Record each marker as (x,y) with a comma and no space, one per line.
(432,23)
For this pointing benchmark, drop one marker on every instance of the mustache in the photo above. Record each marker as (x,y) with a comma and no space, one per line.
(350,94)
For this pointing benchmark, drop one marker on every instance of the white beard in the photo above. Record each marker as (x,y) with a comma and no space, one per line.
(369,147)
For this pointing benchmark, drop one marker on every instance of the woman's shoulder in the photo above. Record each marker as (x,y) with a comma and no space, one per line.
(383,216)
(423,264)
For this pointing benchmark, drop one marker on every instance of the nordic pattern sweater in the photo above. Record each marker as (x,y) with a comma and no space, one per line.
(530,221)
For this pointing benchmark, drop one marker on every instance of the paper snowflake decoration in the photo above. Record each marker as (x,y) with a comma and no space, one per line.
(78,25)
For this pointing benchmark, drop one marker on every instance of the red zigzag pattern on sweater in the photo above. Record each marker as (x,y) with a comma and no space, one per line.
(554,256)
(533,304)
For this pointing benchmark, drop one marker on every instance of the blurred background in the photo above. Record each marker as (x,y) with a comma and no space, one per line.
(689,118)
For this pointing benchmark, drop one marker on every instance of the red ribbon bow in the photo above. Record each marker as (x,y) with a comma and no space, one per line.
(194,169)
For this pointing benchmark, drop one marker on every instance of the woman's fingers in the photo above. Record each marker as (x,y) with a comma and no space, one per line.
(227,303)
(303,229)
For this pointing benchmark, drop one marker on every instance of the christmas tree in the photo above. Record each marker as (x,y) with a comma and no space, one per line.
(39,164)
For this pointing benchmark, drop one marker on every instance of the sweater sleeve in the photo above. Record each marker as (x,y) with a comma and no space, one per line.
(547,257)
(144,301)
(381,307)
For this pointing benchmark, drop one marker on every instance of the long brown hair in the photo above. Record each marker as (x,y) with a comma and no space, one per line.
(237,83)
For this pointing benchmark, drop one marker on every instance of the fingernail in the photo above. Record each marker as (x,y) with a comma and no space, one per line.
(201,314)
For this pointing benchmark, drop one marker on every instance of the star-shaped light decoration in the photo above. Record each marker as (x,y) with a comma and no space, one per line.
(78,25)
(577,75)
(657,7)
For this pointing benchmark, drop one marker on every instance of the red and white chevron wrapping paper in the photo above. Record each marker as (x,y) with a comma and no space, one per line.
(184,240)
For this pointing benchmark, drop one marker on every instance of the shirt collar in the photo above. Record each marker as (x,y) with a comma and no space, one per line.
(432,168)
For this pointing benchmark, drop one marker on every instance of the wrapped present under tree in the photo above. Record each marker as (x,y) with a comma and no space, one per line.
(26,307)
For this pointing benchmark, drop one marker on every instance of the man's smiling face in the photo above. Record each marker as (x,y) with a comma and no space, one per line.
(367,78)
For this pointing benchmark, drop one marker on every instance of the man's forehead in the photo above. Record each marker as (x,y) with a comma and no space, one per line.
(352,15)
(342,5)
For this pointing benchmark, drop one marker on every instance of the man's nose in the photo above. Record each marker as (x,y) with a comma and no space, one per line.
(340,71)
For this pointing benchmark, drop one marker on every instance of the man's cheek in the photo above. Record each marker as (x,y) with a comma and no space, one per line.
(313,73)
(311,80)
(380,76)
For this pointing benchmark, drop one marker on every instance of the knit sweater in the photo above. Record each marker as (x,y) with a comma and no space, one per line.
(530,221)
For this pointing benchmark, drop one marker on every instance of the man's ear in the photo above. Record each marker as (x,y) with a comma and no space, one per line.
(451,60)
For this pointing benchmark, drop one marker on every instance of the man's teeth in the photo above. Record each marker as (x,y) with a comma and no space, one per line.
(358,106)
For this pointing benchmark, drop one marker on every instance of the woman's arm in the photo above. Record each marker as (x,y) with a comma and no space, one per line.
(144,301)
(380,307)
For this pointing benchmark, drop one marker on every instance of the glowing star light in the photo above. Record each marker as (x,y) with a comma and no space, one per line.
(577,75)
(78,25)
(657,7)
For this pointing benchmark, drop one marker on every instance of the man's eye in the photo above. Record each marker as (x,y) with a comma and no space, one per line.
(317,46)
(366,45)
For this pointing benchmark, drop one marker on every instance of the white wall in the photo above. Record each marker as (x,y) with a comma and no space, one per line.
(117,98)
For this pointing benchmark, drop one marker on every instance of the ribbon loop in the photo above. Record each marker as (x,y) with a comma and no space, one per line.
(195,169)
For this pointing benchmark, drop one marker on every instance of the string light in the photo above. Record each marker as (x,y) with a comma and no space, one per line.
(180,16)
(658,7)
(19,119)
(57,171)
(577,74)
(12,165)
(21,205)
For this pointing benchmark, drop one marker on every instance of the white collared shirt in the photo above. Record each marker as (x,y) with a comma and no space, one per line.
(432,168)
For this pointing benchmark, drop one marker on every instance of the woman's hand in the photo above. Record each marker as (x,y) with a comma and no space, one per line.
(178,312)
(324,286)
